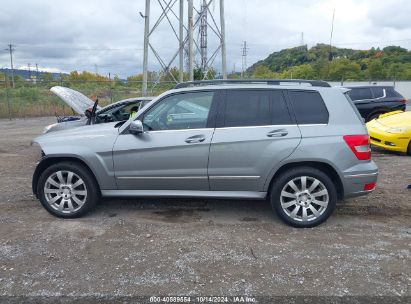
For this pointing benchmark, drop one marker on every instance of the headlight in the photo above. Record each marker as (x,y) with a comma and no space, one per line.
(398,130)
(48,128)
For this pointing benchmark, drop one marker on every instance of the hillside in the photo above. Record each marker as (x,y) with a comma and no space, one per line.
(25,74)
(349,64)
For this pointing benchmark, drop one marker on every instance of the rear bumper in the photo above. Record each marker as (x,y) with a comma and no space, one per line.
(355,179)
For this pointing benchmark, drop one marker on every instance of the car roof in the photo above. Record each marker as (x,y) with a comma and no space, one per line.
(251,86)
(366,86)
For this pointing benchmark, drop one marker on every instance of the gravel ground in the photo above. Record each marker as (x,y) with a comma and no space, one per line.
(198,247)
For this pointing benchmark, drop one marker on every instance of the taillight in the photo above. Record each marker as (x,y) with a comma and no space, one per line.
(370,186)
(360,145)
(403,100)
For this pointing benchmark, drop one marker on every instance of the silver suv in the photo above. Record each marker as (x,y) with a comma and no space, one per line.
(302,145)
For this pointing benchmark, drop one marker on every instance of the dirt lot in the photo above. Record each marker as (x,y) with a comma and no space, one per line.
(198,247)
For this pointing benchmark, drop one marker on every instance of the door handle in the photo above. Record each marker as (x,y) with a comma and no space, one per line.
(277,133)
(195,139)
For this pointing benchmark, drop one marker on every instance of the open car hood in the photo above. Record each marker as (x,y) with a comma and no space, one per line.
(74,99)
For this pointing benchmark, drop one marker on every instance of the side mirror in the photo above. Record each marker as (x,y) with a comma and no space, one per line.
(136,127)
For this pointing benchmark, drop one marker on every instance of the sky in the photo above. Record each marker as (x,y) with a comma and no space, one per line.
(107,35)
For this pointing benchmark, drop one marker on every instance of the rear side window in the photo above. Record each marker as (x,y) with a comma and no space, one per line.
(255,108)
(360,94)
(309,107)
(378,92)
(392,93)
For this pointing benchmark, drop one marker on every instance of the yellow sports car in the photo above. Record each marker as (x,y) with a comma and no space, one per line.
(391,131)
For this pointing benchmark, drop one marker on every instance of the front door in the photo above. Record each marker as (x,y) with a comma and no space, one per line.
(172,153)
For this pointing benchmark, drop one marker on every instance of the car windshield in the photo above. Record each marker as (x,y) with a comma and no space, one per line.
(118,112)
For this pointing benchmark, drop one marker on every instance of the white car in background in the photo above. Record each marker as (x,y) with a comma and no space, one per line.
(89,112)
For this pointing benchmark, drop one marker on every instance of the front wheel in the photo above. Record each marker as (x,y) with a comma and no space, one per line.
(67,190)
(303,197)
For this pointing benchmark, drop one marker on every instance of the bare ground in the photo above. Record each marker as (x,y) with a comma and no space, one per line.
(198,247)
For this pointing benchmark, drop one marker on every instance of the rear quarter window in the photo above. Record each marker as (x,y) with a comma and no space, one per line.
(390,92)
(309,107)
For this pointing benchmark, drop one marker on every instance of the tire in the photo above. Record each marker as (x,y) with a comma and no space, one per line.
(295,208)
(409,148)
(68,190)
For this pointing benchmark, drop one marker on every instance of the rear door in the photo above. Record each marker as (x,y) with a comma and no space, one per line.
(254,132)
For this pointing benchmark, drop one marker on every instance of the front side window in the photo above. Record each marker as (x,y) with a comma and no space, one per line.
(179,111)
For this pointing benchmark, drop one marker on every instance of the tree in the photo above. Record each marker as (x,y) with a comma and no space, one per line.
(46,77)
(375,70)
(304,71)
(262,72)
(344,69)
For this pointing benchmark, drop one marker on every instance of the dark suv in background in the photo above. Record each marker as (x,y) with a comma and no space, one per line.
(373,100)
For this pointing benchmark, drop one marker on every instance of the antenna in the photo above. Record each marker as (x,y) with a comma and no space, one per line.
(331,36)
(330,55)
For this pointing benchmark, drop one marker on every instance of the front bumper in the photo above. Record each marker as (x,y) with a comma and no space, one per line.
(391,141)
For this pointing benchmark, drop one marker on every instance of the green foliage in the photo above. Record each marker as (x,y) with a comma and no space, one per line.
(262,71)
(349,64)
(46,77)
(199,74)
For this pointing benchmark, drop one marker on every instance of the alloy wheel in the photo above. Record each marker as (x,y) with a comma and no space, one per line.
(304,198)
(65,191)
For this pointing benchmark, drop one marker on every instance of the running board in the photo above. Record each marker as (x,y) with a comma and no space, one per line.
(184,193)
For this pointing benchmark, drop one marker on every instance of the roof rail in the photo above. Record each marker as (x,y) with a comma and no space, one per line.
(314,83)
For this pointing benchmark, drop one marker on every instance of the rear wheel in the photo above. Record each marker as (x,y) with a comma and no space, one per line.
(409,148)
(67,190)
(303,197)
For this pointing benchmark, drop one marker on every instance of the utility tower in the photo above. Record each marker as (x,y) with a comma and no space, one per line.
(11,50)
(244,59)
(37,72)
(201,18)
(302,39)
(203,35)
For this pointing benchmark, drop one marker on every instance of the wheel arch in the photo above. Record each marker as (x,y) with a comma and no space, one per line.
(49,161)
(323,166)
